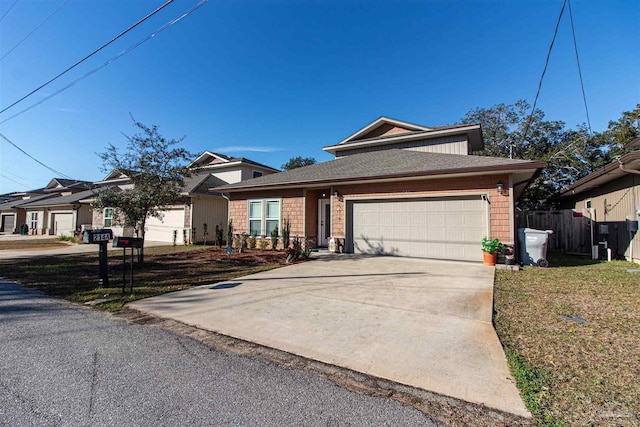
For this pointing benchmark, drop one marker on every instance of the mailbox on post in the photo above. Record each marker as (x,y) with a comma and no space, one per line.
(97,236)
(127,242)
(124,243)
(101,238)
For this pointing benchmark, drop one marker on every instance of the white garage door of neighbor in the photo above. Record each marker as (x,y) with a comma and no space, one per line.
(162,230)
(442,228)
(62,224)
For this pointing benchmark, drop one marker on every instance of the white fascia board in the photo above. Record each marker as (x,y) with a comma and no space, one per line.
(378,122)
(372,143)
(207,153)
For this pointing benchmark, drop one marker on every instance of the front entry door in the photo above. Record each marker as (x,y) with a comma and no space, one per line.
(324,222)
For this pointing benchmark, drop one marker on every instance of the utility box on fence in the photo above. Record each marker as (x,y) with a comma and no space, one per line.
(533,246)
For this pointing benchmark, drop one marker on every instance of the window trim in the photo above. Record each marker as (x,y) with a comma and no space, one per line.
(33,217)
(104,217)
(263,216)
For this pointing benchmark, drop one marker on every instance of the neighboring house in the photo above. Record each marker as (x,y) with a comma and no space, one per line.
(12,215)
(610,196)
(197,206)
(49,210)
(394,187)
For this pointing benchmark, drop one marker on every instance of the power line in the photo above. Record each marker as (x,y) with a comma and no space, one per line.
(14,181)
(546,63)
(168,2)
(35,29)
(8,10)
(124,52)
(58,173)
(575,47)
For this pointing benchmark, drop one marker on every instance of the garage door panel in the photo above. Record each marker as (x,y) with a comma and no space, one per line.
(62,224)
(448,228)
(161,229)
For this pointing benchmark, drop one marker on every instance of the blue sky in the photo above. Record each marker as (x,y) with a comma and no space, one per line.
(269,80)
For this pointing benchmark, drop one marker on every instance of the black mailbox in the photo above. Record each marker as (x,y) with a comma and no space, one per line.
(97,236)
(127,242)
(101,238)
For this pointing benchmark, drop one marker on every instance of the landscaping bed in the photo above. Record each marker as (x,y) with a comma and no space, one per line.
(569,372)
(166,269)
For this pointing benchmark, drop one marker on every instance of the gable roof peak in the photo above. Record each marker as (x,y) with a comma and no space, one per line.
(384,125)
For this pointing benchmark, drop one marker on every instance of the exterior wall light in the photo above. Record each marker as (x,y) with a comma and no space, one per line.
(499,187)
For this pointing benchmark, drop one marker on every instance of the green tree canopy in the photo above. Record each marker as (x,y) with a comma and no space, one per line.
(511,130)
(156,168)
(298,162)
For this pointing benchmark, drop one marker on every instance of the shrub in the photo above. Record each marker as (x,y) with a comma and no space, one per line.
(251,242)
(286,233)
(274,238)
(262,244)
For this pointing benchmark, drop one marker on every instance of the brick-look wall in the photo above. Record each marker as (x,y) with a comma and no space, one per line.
(499,210)
(292,208)
(238,214)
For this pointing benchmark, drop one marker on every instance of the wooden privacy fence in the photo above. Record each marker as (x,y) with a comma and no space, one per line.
(570,234)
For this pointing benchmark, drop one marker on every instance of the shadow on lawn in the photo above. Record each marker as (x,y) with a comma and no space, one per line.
(561,259)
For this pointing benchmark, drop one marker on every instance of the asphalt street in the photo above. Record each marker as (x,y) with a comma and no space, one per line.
(62,364)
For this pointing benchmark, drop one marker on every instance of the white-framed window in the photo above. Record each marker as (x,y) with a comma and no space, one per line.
(255,218)
(108,217)
(264,217)
(33,220)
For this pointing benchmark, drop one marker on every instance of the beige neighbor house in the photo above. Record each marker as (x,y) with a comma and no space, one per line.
(12,215)
(198,205)
(610,196)
(53,210)
(394,187)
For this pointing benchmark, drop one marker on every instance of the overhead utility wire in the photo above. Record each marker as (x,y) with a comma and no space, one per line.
(14,181)
(8,10)
(91,54)
(124,52)
(546,63)
(575,47)
(58,173)
(36,28)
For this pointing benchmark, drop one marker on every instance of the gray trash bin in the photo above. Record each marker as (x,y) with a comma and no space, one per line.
(533,246)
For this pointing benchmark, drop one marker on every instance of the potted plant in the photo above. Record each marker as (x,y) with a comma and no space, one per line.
(490,249)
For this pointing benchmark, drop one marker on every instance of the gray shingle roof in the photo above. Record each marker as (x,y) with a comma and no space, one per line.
(200,184)
(18,203)
(69,200)
(383,164)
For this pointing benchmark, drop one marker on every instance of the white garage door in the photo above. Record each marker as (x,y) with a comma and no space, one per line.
(443,228)
(162,230)
(62,224)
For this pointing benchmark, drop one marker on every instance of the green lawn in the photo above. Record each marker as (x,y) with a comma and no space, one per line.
(573,373)
(75,277)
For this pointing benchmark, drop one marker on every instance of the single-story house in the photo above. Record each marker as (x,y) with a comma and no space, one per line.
(610,196)
(52,210)
(394,187)
(12,215)
(198,205)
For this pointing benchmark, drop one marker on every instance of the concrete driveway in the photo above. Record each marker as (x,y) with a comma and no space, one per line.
(417,322)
